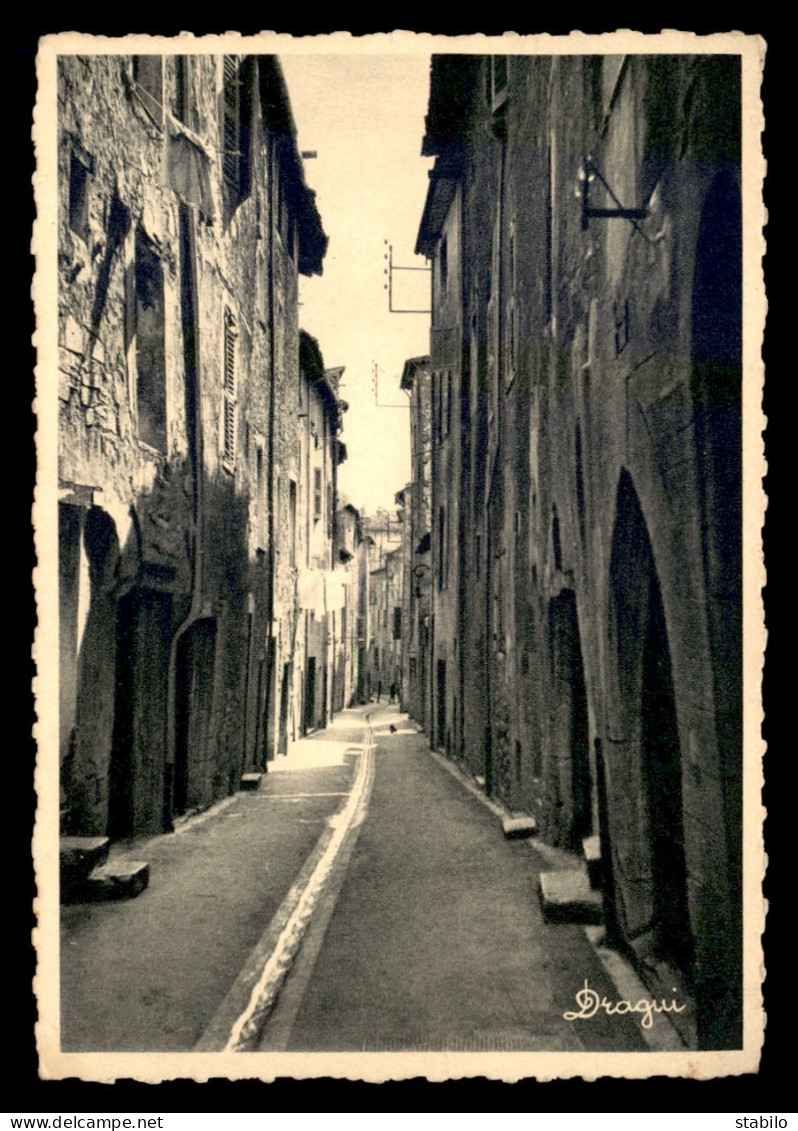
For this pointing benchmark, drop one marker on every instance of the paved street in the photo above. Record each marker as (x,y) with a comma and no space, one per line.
(436,939)
(427,934)
(149,974)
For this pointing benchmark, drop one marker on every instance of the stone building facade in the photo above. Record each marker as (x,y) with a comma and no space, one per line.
(349,555)
(183,226)
(584,225)
(417,519)
(320,587)
(382,536)
(385,638)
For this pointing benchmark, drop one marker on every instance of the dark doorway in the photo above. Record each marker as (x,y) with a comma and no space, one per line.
(194,692)
(310,694)
(569,738)
(440,729)
(282,736)
(138,751)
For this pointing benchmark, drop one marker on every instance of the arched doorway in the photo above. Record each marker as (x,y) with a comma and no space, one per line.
(643,755)
(88,560)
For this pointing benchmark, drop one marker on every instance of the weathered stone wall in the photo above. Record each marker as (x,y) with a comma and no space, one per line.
(446,516)
(602,483)
(178,432)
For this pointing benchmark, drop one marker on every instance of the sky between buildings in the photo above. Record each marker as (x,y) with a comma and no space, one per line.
(364,117)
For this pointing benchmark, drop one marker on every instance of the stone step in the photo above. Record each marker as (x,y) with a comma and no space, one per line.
(250,781)
(567,897)
(78,856)
(591,848)
(117,880)
(518,827)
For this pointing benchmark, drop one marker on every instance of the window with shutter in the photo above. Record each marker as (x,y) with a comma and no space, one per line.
(184,94)
(148,309)
(148,77)
(316,494)
(236,115)
(443,348)
(230,121)
(229,390)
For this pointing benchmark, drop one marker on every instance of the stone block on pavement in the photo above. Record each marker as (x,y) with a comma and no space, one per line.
(78,855)
(566,896)
(250,781)
(118,880)
(515,828)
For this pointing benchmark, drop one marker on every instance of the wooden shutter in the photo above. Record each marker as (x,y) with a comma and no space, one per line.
(443,343)
(230,139)
(229,392)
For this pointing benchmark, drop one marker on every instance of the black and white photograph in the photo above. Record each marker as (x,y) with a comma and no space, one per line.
(398,522)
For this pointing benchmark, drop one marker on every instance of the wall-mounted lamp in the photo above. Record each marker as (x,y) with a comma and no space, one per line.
(588,173)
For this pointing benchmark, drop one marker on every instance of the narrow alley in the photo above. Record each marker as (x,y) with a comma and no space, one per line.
(408,946)
(436,940)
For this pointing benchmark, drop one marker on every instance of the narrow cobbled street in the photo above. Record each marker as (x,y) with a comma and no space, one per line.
(427,933)
(436,940)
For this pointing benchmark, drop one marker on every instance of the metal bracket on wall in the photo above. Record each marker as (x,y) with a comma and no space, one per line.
(587,175)
(389,270)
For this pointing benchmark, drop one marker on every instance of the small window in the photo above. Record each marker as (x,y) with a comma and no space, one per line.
(555,541)
(79,197)
(474,355)
(148,77)
(317,494)
(292,521)
(397,622)
(443,549)
(184,94)
(150,343)
(229,389)
(511,344)
(443,261)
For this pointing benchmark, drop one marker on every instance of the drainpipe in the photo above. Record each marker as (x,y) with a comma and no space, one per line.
(192,363)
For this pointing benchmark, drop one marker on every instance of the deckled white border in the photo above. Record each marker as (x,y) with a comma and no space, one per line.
(379,1067)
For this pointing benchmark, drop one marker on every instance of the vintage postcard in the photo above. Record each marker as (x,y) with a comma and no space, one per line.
(398,525)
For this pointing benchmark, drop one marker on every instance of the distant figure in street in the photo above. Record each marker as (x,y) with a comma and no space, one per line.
(379,689)
(393,693)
